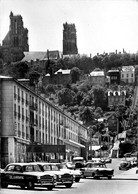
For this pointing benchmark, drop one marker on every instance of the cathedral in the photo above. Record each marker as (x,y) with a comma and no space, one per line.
(69,39)
(16,40)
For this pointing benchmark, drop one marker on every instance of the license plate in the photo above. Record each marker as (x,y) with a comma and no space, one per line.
(45,183)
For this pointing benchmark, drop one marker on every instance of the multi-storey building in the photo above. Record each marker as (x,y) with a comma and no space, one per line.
(28,119)
(16,40)
(116,98)
(128,74)
(69,39)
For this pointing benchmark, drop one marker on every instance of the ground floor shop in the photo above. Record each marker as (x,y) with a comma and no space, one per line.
(19,150)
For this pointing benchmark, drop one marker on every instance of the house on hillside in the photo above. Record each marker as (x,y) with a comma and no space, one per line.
(128,74)
(60,77)
(116,98)
(97,77)
(114,75)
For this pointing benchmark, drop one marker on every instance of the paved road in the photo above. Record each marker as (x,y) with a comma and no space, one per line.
(85,186)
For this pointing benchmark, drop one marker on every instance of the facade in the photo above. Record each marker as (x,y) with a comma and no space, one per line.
(97,77)
(28,119)
(16,40)
(69,39)
(128,74)
(114,75)
(116,98)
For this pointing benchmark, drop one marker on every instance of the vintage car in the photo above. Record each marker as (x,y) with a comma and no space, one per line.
(97,170)
(63,178)
(67,167)
(78,162)
(125,165)
(26,175)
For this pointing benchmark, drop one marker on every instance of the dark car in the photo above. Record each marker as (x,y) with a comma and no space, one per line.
(97,170)
(26,175)
(63,178)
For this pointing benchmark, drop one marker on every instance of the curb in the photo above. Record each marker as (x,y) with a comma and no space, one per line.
(124,177)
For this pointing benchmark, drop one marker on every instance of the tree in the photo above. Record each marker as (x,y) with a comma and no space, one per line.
(66,96)
(17,70)
(99,97)
(86,114)
(75,74)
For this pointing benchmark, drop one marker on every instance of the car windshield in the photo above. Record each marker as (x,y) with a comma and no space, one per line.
(46,167)
(54,168)
(31,168)
(96,165)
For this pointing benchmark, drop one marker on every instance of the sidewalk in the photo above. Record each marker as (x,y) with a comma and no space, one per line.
(127,175)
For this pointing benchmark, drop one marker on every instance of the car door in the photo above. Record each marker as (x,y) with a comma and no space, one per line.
(8,174)
(18,176)
(88,170)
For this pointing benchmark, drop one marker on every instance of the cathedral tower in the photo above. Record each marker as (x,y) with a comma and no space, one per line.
(69,39)
(16,40)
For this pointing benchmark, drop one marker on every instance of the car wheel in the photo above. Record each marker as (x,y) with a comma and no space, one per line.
(22,186)
(77,180)
(4,185)
(50,188)
(68,185)
(96,177)
(30,185)
(109,177)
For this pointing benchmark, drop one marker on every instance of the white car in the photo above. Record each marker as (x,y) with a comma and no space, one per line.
(67,167)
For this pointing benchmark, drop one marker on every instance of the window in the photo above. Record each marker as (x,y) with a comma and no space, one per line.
(10,168)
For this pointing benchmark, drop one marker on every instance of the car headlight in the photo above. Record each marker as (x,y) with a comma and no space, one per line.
(59,176)
(38,177)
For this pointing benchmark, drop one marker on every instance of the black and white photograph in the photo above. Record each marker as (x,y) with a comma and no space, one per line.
(69,96)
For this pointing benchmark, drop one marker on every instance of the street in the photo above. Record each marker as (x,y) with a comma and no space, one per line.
(89,185)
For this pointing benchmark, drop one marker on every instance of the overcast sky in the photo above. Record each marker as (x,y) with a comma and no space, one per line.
(102,25)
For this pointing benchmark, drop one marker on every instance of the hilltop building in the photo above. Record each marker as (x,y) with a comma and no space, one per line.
(16,40)
(128,74)
(69,39)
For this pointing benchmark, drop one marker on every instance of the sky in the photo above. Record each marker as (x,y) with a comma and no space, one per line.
(102,25)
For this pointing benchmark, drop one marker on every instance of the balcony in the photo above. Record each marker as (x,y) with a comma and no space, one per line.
(33,106)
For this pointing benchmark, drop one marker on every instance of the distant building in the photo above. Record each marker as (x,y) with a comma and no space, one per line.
(114,75)
(16,40)
(116,98)
(97,77)
(41,57)
(59,77)
(128,74)
(69,39)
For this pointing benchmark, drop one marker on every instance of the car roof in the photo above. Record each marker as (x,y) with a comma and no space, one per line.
(21,164)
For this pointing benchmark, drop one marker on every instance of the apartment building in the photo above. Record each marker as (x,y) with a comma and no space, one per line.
(28,119)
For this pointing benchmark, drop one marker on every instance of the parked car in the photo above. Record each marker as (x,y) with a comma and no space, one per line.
(63,178)
(97,170)
(26,175)
(78,162)
(125,165)
(67,167)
